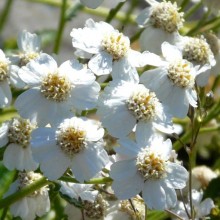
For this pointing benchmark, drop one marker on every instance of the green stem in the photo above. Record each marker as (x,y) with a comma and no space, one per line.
(6,202)
(173,214)
(145,212)
(184,4)
(136,36)
(60,28)
(4,213)
(129,12)
(199,24)
(92,181)
(5,14)
(113,12)
(192,10)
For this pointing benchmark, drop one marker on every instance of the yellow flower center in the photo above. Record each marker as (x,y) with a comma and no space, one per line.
(179,74)
(165,15)
(116,44)
(56,87)
(143,103)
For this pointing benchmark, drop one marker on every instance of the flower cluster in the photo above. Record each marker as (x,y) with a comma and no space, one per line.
(67,111)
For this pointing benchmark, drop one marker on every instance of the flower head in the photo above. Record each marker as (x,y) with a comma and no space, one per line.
(16,133)
(136,106)
(56,91)
(148,170)
(76,143)
(106,46)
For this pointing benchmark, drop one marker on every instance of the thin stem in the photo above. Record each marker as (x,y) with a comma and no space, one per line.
(173,214)
(199,24)
(145,212)
(4,213)
(136,36)
(60,27)
(113,12)
(92,181)
(6,202)
(5,14)
(192,10)
(184,4)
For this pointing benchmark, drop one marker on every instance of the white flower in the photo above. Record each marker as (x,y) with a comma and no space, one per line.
(96,3)
(79,191)
(55,91)
(197,51)
(108,46)
(29,49)
(76,144)
(173,81)
(200,208)
(16,134)
(162,21)
(127,104)
(148,170)
(35,204)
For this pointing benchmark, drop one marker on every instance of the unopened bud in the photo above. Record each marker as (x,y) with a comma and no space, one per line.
(209,100)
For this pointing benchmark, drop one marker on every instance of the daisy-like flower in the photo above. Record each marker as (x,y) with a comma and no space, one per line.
(108,46)
(148,170)
(16,134)
(76,143)
(55,91)
(128,105)
(174,79)
(33,205)
(162,21)
(197,51)
(201,209)
(29,49)
(96,3)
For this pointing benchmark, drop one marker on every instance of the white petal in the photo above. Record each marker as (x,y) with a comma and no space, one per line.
(135,58)
(112,121)
(28,42)
(203,77)
(101,64)
(123,170)
(171,198)
(85,97)
(154,195)
(152,59)
(144,16)
(16,157)
(177,175)
(5,94)
(204,208)
(144,133)
(126,189)
(170,52)
(122,70)
(128,148)
(159,36)
(55,165)
(4,134)
(192,97)
(89,162)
